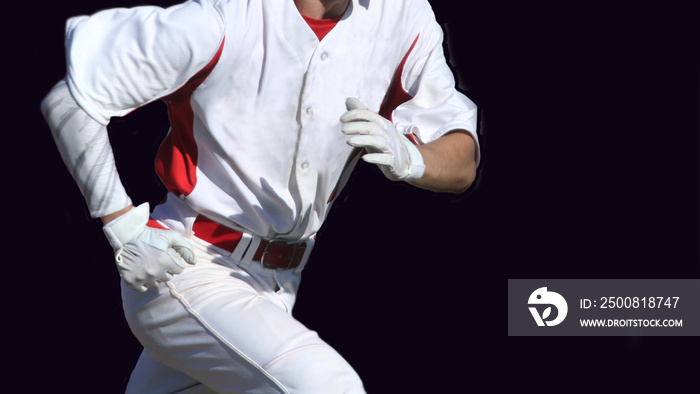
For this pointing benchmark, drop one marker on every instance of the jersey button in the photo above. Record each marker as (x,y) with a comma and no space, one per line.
(324,56)
(305,165)
(309,111)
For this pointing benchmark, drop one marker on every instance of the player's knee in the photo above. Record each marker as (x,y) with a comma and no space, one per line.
(315,369)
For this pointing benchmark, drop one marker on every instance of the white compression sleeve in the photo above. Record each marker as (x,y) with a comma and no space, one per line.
(84,146)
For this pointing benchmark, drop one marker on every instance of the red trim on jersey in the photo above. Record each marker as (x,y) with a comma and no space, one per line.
(321,26)
(396,95)
(152,223)
(176,162)
(412,138)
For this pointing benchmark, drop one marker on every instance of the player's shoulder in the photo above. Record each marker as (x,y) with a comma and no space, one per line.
(189,17)
(178,33)
(417,7)
(120,58)
(412,4)
(405,12)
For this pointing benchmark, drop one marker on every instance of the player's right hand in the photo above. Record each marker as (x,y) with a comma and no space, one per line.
(146,255)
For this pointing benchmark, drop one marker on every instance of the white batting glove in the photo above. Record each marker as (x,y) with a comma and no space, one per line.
(387,147)
(146,255)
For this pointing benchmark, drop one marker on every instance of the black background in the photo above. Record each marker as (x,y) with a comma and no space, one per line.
(589,131)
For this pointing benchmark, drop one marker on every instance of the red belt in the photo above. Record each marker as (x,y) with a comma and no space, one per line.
(271,254)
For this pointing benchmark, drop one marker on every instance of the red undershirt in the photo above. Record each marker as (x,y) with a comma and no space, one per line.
(321,26)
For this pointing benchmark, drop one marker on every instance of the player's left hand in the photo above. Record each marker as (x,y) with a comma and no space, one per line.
(388,148)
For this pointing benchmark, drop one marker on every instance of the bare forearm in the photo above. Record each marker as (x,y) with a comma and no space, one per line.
(450,163)
(108,218)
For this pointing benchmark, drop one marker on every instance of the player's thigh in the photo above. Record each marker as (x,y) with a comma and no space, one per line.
(212,324)
(153,377)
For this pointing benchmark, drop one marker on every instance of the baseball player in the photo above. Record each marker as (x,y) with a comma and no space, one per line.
(271,104)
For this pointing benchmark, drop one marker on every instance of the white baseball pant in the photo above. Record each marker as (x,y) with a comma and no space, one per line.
(225,326)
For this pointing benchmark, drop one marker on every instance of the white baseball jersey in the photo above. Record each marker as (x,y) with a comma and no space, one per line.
(254,98)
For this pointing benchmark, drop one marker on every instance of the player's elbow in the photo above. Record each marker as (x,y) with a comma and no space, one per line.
(45,105)
(464,165)
(53,99)
(456,181)
(464,181)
